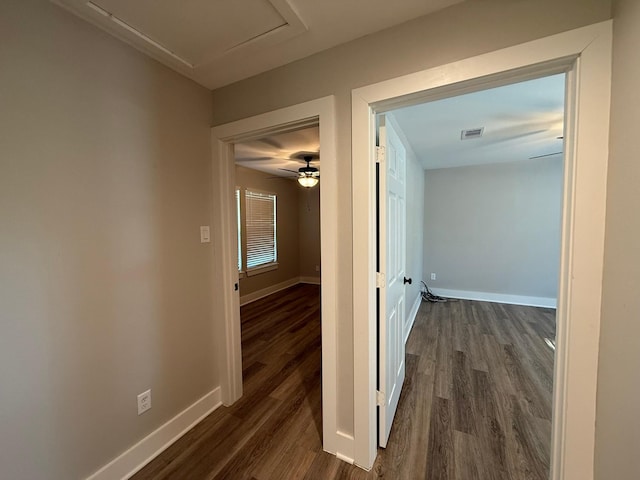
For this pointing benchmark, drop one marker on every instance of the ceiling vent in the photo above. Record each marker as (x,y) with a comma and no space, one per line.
(471,133)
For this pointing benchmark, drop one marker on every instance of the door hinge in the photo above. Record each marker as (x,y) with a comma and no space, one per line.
(380,280)
(380,153)
(381,399)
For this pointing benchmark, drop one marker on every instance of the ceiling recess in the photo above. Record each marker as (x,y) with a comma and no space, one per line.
(193,35)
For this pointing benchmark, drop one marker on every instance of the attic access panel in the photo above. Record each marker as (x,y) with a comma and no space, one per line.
(192,33)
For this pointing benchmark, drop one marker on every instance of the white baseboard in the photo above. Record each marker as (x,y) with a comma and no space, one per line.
(547,302)
(412,316)
(311,280)
(265,292)
(346,447)
(131,461)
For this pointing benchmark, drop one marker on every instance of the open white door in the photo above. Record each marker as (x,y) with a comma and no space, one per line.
(391,246)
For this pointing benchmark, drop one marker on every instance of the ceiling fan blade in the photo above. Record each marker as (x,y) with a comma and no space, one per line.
(287,170)
(545,155)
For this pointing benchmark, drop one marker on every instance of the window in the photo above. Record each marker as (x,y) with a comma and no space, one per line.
(257,243)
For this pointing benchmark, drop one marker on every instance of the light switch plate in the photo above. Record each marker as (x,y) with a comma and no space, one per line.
(205,234)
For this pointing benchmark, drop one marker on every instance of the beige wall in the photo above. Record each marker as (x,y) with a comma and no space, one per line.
(287,228)
(617,421)
(461,31)
(105,289)
(309,235)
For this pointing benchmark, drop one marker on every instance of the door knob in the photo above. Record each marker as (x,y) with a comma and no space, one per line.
(407,280)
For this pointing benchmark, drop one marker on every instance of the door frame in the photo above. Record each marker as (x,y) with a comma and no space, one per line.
(584,55)
(226,306)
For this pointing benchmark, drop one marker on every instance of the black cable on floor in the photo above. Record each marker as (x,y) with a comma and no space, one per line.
(427,296)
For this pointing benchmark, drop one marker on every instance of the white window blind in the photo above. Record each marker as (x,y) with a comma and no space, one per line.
(260,211)
(239,219)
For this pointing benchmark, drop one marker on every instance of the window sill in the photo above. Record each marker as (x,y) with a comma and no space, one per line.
(242,274)
(261,269)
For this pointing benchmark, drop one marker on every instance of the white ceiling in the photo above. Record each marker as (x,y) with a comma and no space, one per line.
(217,42)
(274,153)
(520,121)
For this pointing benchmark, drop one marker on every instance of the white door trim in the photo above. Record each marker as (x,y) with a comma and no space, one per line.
(226,305)
(585,54)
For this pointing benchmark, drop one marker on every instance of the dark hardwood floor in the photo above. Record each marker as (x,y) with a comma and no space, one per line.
(476,402)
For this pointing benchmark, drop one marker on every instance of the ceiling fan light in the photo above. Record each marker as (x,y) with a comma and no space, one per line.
(307,181)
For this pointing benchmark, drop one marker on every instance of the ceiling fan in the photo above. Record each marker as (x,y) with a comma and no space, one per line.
(308,176)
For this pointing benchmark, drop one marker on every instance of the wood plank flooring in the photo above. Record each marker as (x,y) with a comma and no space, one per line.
(476,402)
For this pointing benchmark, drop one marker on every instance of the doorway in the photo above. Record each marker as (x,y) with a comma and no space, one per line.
(278,218)
(279,276)
(584,55)
(317,112)
(483,178)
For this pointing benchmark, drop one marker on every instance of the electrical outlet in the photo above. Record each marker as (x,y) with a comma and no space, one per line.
(144,402)
(433,276)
